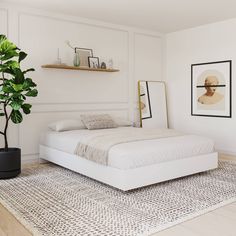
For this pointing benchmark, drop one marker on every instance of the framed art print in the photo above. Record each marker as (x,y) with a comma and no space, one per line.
(211,89)
(84,54)
(93,62)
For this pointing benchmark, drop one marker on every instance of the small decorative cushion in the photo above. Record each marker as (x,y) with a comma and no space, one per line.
(66,125)
(101,121)
(121,122)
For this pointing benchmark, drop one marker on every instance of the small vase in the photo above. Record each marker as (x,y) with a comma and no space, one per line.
(76,59)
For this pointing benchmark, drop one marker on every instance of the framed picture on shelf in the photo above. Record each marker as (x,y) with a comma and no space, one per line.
(211,89)
(93,62)
(84,54)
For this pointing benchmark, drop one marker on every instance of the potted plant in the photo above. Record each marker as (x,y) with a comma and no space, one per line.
(15,87)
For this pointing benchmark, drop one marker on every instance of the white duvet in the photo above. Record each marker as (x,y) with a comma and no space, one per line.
(138,153)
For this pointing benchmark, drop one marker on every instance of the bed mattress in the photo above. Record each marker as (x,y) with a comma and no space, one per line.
(138,153)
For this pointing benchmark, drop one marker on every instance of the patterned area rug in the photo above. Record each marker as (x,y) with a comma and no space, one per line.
(50,200)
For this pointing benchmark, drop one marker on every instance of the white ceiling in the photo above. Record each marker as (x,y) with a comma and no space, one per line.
(160,15)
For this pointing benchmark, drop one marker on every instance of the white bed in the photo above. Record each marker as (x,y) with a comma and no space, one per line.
(133,164)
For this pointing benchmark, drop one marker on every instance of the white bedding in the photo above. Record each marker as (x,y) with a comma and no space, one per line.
(135,154)
(96,146)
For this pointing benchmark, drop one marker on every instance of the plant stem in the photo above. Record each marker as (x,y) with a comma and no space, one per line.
(4,133)
(6,126)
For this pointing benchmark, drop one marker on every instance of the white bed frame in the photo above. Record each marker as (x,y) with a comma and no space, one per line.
(131,178)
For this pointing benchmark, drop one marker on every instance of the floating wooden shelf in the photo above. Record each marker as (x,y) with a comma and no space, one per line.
(65,67)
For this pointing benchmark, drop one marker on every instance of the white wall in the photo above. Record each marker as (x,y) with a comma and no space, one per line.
(214,42)
(66,94)
(148,62)
(3,21)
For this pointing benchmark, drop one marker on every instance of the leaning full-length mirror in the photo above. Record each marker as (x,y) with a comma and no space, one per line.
(152,104)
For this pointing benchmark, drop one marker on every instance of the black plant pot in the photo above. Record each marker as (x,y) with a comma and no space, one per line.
(10,163)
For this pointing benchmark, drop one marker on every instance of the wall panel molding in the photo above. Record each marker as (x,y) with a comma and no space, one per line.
(78,21)
(121,102)
(78,107)
(80,73)
(7,20)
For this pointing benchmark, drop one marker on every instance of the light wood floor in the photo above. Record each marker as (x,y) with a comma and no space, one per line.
(221,222)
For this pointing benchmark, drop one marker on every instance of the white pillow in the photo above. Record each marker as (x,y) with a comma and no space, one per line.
(98,121)
(121,122)
(66,125)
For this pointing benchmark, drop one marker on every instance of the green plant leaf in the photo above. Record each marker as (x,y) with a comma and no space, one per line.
(17,87)
(15,96)
(8,70)
(16,116)
(8,55)
(28,70)
(23,96)
(7,51)
(28,83)
(11,63)
(26,108)
(2,38)
(2,97)
(19,76)
(9,67)
(6,47)
(16,105)
(7,89)
(32,93)
(22,56)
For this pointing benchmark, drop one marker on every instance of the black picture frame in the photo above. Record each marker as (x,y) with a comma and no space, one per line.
(84,53)
(144,98)
(92,60)
(227,88)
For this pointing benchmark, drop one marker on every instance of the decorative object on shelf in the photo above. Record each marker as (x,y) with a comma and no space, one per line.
(211,89)
(84,58)
(110,63)
(15,88)
(76,60)
(81,55)
(103,65)
(93,62)
(58,61)
(66,67)
(69,45)
(84,54)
